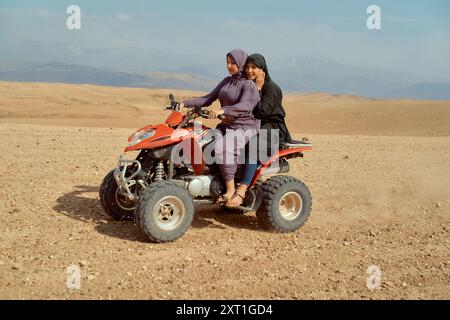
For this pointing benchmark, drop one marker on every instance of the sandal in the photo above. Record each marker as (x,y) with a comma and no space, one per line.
(228,205)
(222,199)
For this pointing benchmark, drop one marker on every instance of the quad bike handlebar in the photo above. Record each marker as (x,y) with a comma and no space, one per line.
(194,111)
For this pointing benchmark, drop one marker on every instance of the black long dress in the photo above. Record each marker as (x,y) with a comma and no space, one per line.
(270,109)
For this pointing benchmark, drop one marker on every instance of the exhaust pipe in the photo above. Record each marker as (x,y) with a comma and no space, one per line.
(283,166)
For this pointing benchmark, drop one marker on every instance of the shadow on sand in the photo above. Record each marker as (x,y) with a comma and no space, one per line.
(79,205)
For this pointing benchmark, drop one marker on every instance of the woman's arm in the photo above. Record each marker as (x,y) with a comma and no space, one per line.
(206,100)
(249,99)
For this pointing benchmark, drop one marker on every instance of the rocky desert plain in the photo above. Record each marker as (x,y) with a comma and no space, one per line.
(379,174)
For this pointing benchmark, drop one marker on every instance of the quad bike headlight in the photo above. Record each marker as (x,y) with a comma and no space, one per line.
(141,136)
(134,135)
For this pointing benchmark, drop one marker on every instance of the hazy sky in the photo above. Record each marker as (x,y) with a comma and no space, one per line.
(414,36)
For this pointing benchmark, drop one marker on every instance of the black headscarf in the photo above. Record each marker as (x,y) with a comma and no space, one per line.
(259,61)
(270,110)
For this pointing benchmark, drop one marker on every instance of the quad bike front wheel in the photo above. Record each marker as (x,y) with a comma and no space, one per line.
(286,204)
(115,205)
(164,211)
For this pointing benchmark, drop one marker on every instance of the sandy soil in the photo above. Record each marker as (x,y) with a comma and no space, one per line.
(379,176)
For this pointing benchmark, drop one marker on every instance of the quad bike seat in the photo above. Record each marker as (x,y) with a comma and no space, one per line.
(296,144)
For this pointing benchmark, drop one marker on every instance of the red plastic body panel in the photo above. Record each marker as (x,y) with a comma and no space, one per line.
(175,118)
(279,154)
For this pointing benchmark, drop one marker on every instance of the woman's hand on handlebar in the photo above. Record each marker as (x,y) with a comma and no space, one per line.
(227,119)
(214,113)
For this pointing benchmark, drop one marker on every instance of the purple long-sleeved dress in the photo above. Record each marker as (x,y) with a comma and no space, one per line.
(238,96)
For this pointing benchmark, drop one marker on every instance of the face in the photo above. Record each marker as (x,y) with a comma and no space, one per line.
(232,66)
(251,70)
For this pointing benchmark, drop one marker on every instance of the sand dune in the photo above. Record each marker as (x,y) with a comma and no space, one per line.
(378,174)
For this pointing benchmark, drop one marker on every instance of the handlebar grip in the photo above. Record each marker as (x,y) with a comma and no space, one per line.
(220,117)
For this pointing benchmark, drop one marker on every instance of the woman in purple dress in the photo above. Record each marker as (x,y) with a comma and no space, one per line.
(238,96)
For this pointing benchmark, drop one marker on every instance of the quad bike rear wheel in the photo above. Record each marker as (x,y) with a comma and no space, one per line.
(164,211)
(286,204)
(115,205)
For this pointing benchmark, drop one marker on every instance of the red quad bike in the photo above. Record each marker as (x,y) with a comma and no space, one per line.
(160,195)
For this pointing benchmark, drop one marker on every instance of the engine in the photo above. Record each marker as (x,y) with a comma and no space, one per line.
(198,186)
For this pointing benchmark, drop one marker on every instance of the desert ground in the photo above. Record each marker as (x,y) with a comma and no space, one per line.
(379,174)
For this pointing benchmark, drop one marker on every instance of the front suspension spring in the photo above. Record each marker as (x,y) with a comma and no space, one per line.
(159,171)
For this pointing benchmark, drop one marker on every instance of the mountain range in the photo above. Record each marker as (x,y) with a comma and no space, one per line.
(135,67)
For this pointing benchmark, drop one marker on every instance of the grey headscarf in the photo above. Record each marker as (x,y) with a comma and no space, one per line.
(240,57)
